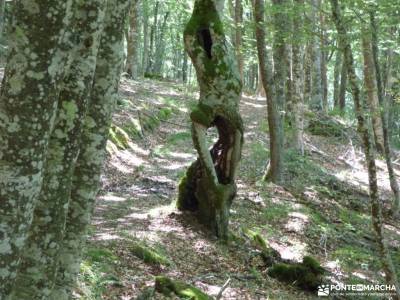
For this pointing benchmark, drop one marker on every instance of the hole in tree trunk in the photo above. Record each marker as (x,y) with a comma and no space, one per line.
(205,40)
(221,152)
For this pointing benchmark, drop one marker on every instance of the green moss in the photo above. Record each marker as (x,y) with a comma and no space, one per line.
(204,15)
(149,255)
(167,287)
(306,275)
(202,114)
(119,137)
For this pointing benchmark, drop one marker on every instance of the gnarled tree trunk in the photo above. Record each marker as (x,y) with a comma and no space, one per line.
(209,185)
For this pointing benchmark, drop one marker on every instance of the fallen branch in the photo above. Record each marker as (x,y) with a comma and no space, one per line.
(224,287)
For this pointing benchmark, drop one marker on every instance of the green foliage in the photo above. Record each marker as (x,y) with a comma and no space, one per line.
(276,212)
(354,257)
(97,273)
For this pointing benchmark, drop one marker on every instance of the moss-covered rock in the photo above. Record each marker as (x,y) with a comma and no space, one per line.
(168,287)
(307,275)
(148,254)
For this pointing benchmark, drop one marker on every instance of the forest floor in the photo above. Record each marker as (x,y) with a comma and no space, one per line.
(321,210)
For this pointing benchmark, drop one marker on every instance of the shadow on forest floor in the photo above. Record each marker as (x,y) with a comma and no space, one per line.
(322,209)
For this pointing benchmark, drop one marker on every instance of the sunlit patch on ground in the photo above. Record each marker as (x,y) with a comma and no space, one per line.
(321,210)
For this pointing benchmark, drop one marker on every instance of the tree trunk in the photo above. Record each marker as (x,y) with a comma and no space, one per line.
(388,153)
(324,61)
(2,18)
(316,77)
(132,41)
(343,85)
(153,33)
(371,89)
(38,266)
(280,53)
(238,35)
(160,50)
(145,57)
(376,213)
(28,107)
(336,78)
(297,119)
(307,74)
(86,177)
(209,185)
(185,68)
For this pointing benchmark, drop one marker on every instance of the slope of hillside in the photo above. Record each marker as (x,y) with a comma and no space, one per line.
(322,210)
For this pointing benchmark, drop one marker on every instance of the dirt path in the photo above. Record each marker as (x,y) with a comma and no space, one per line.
(321,211)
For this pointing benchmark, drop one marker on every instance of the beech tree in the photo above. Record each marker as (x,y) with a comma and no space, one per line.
(46,102)
(209,185)
(376,206)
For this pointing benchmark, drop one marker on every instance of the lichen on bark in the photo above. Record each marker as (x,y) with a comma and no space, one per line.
(208,187)
(37,271)
(28,105)
(86,176)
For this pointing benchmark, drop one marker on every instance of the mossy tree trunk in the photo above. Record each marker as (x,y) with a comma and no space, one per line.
(209,185)
(376,206)
(37,271)
(28,105)
(86,176)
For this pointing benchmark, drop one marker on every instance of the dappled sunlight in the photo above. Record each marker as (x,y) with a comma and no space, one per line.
(296,222)
(112,198)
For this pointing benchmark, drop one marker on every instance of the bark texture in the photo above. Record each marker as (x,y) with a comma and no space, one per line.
(372,90)
(274,119)
(209,185)
(132,41)
(28,104)
(376,206)
(297,113)
(86,177)
(39,260)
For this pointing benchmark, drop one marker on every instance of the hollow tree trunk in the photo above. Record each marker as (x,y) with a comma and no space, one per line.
(209,185)
(376,206)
